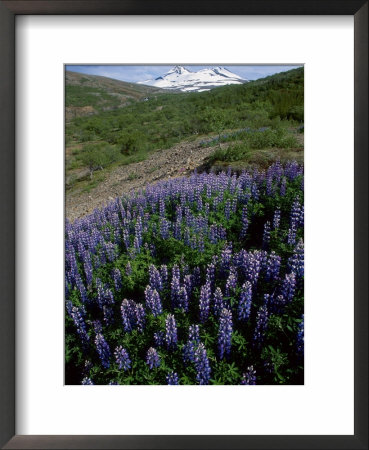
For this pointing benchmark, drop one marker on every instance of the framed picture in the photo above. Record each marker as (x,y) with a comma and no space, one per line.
(191,269)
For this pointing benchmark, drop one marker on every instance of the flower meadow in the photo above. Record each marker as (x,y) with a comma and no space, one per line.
(194,280)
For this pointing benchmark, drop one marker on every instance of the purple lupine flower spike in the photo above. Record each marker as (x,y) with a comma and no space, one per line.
(249,377)
(244,305)
(218,301)
(192,343)
(261,326)
(300,338)
(171,332)
(172,378)
(204,304)
(122,358)
(225,333)
(202,365)
(152,358)
(103,350)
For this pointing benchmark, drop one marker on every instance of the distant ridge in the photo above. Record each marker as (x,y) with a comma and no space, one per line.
(90,94)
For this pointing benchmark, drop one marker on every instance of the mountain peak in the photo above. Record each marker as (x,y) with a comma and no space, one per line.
(179,70)
(180,78)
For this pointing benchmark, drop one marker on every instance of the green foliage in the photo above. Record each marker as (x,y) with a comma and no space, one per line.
(129,143)
(256,140)
(99,155)
(80,96)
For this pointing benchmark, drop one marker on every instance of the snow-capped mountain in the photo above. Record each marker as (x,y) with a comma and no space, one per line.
(180,78)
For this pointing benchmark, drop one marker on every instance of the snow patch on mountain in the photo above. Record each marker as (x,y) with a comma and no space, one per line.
(180,78)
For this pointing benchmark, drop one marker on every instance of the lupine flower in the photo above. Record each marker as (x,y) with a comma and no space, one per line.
(172,378)
(296,261)
(196,276)
(261,326)
(283,187)
(88,271)
(244,222)
(175,288)
(205,295)
(202,365)
(140,317)
(249,377)
(266,234)
(291,237)
(136,246)
(200,243)
(244,305)
(77,314)
(295,214)
(164,273)
(164,228)
(97,326)
(183,299)
(225,259)
(276,304)
(87,367)
(129,315)
(159,338)
(155,278)
(152,358)
(171,332)
(81,288)
(253,268)
(225,333)
(276,219)
(227,209)
(300,337)
(103,350)
(188,284)
(156,303)
(273,266)
(288,286)
(231,284)
(117,278)
(192,343)
(176,273)
(161,207)
(218,301)
(108,315)
(153,301)
(122,358)
(128,269)
(138,231)
(87,380)
(210,274)
(301,221)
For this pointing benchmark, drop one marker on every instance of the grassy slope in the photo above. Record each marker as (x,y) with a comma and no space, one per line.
(129,134)
(90,94)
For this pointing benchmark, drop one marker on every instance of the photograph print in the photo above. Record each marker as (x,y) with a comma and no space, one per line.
(184,227)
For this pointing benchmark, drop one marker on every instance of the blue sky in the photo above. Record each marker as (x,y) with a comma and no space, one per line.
(141,73)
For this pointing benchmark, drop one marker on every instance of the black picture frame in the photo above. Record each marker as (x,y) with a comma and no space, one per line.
(8,12)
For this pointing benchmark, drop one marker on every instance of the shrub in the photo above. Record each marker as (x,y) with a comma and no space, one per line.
(99,155)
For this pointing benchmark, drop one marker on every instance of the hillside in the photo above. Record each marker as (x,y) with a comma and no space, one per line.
(90,94)
(259,115)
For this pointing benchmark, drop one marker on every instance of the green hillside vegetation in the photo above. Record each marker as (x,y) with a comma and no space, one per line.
(269,109)
(91,94)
